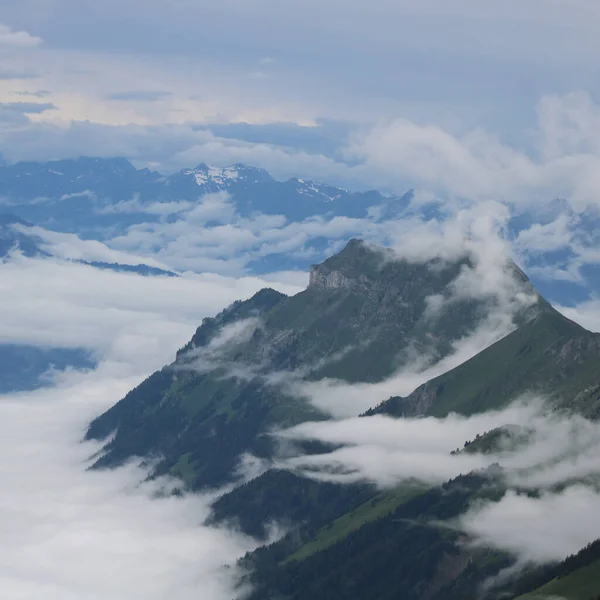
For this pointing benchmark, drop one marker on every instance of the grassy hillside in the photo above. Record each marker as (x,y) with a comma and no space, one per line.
(550,355)
(401,548)
(582,584)
(379,506)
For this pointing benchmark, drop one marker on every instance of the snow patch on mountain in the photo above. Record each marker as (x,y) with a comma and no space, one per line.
(217,175)
(314,189)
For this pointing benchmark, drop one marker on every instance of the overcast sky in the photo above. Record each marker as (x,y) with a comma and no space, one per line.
(172,84)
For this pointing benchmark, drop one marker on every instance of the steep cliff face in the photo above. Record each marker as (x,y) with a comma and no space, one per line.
(329,280)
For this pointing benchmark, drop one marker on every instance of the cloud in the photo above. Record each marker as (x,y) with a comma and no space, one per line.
(214,355)
(28,107)
(258,75)
(72,534)
(549,464)
(16,74)
(341,399)
(134,206)
(491,279)
(9,37)
(554,448)
(457,167)
(544,529)
(585,313)
(36,94)
(476,30)
(212,235)
(69,246)
(388,451)
(65,528)
(139,95)
(52,303)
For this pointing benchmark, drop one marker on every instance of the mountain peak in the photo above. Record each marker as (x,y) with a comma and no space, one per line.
(358,260)
(116,165)
(222,177)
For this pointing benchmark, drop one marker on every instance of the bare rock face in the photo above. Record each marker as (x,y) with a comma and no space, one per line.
(328,280)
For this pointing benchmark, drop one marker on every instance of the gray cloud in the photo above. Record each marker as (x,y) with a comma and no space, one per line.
(325,138)
(16,74)
(388,25)
(12,38)
(40,310)
(65,528)
(139,95)
(37,94)
(434,64)
(544,529)
(457,167)
(28,107)
(70,534)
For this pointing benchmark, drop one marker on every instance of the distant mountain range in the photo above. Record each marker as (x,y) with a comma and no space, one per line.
(24,368)
(17,236)
(102,198)
(73,195)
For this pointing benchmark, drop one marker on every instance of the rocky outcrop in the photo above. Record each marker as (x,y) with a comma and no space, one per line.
(328,280)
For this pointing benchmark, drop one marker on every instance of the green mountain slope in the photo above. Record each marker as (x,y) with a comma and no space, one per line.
(363,315)
(409,552)
(283,497)
(583,584)
(550,355)
(575,578)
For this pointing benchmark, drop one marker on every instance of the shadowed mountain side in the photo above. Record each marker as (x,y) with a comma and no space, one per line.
(286,498)
(407,553)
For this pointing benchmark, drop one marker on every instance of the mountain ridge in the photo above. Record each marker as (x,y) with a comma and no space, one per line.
(220,399)
(237,366)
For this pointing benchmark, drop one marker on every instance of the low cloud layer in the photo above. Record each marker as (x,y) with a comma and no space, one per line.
(387,451)
(544,529)
(14,38)
(558,456)
(69,534)
(47,302)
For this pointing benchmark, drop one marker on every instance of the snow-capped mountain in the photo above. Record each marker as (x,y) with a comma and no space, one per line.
(215,179)
(69,193)
(268,225)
